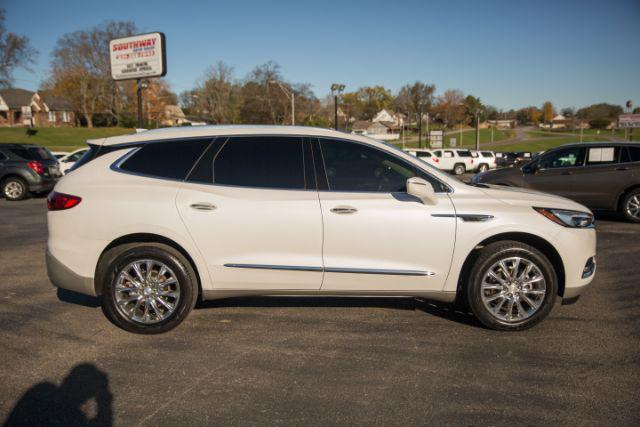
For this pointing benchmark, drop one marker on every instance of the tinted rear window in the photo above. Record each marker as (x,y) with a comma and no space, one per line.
(464,153)
(265,161)
(32,153)
(631,154)
(166,159)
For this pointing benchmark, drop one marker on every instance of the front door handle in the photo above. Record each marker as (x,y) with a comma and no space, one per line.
(343,210)
(203,206)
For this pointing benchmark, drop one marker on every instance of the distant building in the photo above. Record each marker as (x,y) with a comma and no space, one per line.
(378,130)
(501,124)
(173,116)
(389,117)
(20,107)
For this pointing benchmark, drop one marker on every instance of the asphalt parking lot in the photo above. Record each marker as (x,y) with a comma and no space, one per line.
(315,360)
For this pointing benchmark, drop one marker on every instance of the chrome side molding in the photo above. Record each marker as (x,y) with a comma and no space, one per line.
(466,217)
(334,269)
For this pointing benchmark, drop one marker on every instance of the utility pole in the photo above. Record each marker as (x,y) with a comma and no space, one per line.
(336,89)
(427,134)
(420,126)
(477,129)
(581,130)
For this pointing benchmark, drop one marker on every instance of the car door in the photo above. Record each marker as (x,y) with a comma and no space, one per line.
(555,172)
(376,237)
(599,182)
(252,208)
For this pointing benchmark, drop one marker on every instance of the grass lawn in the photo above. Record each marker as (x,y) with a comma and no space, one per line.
(59,139)
(468,138)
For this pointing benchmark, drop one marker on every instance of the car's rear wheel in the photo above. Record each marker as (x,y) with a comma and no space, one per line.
(483,168)
(459,169)
(512,286)
(14,188)
(148,288)
(631,206)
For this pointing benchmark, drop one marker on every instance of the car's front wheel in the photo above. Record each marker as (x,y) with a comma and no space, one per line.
(148,288)
(631,206)
(14,188)
(512,286)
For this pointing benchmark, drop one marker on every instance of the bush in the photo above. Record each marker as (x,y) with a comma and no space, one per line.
(599,123)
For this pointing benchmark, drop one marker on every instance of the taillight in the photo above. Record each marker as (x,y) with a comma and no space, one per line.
(471,161)
(36,167)
(60,201)
(435,159)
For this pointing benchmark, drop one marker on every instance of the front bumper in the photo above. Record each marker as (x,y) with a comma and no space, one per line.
(62,277)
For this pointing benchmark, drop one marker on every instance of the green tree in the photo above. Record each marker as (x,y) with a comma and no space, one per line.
(548,112)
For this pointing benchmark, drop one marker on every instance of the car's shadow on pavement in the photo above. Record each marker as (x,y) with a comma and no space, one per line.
(443,310)
(78,298)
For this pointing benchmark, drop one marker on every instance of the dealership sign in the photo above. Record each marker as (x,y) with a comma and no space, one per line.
(435,138)
(138,57)
(629,121)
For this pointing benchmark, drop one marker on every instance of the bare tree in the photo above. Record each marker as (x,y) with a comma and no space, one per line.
(450,105)
(416,100)
(217,98)
(81,70)
(15,52)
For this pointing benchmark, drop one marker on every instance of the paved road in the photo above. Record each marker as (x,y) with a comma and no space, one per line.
(316,360)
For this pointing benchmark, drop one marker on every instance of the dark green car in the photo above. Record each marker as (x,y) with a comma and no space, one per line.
(603,176)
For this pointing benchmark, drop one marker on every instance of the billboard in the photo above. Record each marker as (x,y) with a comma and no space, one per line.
(138,57)
(629,121)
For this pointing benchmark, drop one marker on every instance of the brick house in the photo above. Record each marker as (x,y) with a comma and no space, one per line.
(20,107)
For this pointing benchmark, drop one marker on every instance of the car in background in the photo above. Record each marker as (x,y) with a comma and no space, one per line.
(485,160)
(455,160)
(26,168)
(67,162)
(59,154)
(425,155)
(600,175)
(505,160)
(157,220)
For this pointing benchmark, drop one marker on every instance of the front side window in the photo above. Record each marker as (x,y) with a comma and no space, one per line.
(487,154)
(166,159)
(261,161)
(448,154)
(353,167)
(565,158)
(423,154)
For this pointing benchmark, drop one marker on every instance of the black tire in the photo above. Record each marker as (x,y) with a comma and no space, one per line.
(483,168)
(15,188)
(493,253)
(119,258)
(630,206)
(459,169)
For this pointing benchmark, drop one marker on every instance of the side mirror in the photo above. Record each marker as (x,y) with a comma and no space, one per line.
(531,168)
(422,189)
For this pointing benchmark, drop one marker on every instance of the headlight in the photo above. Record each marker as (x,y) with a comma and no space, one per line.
(567,218)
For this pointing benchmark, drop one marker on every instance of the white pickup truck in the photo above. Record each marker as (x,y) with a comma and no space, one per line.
(455,160)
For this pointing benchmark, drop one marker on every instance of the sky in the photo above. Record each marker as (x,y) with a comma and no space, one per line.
(510,53)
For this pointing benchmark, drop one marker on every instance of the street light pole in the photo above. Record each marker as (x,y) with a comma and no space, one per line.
(290,96)
(336,89)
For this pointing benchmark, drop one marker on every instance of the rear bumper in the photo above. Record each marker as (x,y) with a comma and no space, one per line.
(62,277)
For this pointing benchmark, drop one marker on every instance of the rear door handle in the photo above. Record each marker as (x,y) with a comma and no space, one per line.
(343,210)
(203,206)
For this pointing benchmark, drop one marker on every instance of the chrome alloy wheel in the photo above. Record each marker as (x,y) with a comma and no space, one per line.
(13,189)
(633,206)
(147,291)
(513,289)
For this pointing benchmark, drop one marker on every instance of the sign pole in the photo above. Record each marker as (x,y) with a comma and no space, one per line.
(139,94)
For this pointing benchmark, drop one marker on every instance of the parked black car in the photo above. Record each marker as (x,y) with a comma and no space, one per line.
(26,168)
(600,175)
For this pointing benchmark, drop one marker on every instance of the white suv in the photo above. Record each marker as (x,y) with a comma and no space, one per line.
(484,160)
(455,160)
(156,220)
(425,155)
